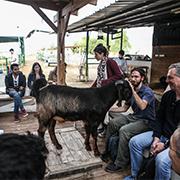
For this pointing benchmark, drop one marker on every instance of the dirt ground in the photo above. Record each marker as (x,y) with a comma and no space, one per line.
(72,72)
(30,123)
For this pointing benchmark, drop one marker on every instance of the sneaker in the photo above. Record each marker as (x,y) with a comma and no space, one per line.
(112,168)
(130,178)
(102,134)
(1,131)
(24,113)
(100,130)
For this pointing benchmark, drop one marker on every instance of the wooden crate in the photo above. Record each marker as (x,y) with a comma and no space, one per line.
(73,158)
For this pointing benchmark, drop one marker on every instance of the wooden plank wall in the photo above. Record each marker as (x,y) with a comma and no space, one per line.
(162,57)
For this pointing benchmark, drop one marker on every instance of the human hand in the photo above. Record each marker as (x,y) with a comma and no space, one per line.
(21,88)
(114,109)
(154,144)
(159,147)
(132,87)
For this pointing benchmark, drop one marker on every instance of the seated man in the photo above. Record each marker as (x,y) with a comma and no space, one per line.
(167,120)
(52,78)
(174,153)
(22,157)
(127,126)
(15,86)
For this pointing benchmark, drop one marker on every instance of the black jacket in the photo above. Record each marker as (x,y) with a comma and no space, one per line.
(168,115)
(10,84)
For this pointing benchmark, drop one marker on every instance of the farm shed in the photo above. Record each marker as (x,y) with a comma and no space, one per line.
(164,15)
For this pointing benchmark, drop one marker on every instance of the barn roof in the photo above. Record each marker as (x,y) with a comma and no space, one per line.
(130,13)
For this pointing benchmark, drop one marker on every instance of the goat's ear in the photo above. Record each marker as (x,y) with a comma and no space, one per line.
(127,92)
(119,85)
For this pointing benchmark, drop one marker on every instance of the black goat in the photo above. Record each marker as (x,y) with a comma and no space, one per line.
(69,103)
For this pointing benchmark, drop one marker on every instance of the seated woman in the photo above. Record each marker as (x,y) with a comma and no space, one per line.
(36,73)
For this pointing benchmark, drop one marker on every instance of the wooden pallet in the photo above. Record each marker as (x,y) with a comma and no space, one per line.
(73,158)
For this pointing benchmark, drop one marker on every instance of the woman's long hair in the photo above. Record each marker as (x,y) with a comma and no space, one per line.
(101,49)
(40,69)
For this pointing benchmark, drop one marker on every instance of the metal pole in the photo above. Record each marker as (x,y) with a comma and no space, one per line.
(107,43)
(121,41)
(87,48)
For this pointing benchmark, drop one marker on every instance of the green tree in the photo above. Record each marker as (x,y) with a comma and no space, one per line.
(80,46)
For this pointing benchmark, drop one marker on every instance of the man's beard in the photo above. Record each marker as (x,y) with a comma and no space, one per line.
(136,84)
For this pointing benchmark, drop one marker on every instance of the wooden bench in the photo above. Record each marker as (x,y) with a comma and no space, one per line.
(7,104)
(6,97)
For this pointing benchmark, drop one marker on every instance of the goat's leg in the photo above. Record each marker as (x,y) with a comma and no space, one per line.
(87,144)
(95,147)
(42,129)
(51,130)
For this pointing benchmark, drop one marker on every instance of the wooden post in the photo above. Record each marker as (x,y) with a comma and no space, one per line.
(62,27)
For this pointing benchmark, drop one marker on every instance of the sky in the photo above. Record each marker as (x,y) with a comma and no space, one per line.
(19,20)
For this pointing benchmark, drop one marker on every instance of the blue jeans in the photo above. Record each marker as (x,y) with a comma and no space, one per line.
(137,144)
(17,97)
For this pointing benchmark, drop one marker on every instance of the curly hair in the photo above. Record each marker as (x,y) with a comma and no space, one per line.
(142,74)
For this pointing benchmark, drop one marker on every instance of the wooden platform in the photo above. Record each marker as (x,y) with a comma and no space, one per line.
(58,165)
(73,158)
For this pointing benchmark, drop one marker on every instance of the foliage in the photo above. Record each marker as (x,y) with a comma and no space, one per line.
(80,46)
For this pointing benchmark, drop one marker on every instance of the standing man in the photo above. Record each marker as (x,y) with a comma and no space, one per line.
(13,57)
(167,120)
(122,63)
(15,86)
(127,126)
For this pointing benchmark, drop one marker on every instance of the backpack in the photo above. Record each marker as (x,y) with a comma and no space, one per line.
(147,169)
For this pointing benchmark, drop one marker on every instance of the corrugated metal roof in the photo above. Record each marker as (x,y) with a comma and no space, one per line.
(130,13)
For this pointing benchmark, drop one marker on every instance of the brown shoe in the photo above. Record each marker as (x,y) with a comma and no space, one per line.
(16,117)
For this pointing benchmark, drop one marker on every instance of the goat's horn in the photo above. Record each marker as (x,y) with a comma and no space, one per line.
(119,82)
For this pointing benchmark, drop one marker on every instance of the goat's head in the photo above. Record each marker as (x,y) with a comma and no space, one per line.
(37,85)
(124,90)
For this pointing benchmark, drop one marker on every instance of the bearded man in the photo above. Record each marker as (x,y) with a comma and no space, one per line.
(127,126)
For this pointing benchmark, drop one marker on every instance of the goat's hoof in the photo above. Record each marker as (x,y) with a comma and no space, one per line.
(88,148)
(58,146)
(96,153)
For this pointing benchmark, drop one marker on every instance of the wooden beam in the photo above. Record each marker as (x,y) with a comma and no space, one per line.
(43,4)
(41,13)
(75,5)
(93,2)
